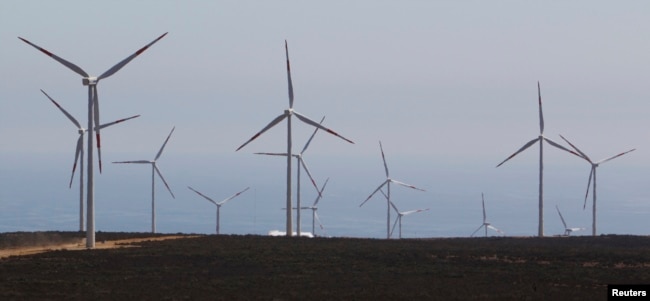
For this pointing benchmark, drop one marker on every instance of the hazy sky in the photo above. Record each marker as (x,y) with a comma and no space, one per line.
(449,82)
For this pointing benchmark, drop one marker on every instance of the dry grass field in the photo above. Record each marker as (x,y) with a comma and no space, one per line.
(139,266)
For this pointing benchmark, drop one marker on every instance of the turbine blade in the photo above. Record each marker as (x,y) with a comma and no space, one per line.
(373,193)
(494,228)
(479,228)
(561,217)
(270,125)
(584,156)
(394,207)
(233,196)
(76,123)
(97,135)
(614,157)
(591,173)
(286,48)
(385,195)
(553,143)
(117,121)
(541,116)
(163,179)
(394,224)
(136,162)
(311,137)
(383,158)
(483,201)
(272,154)
(70,66)
(527,145)
(319,221)
(313,123)
(320,193)
(76,157)
(406,185)
(304,166)
(163,146)
(125,61)
(203,195)
(413,211)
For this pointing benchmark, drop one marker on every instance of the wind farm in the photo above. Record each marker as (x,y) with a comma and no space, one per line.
(79,154)
(93,124)
(287,114)
(448,88)
(300,164)
(592,179)
(540,139)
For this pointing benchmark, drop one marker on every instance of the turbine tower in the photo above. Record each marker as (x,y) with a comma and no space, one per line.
(93,119)
(79,155)
(592,175)
(287,114)
(541,138)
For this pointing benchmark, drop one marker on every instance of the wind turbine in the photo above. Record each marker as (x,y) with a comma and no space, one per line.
(93,118)
(567,230)
(399,217)
(287,114)
(541,138)
(154,170)
(79,155)
(300,162)
(485,224)
(220,203)
(314,208)
(387,184)
(592,175)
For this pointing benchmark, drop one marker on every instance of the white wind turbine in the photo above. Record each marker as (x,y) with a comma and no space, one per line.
(399,216)
(300,162)
(387,184)
(93,118)
(314,208)
(287,114)
(220,203)
(79,155)
(567,230)
(541,138)
(154,170)
(592,175)
(485,224)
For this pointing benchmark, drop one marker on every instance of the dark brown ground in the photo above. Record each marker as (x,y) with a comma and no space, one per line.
(279,268)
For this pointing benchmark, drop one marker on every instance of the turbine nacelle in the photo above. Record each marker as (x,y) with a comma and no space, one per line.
(89,81)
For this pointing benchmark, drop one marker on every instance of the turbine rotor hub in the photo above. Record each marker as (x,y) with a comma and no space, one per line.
(89,81)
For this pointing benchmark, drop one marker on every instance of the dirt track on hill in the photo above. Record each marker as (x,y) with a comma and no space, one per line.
(81,245)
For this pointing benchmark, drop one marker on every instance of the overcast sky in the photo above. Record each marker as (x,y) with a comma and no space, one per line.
(426,77)
(447,81)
